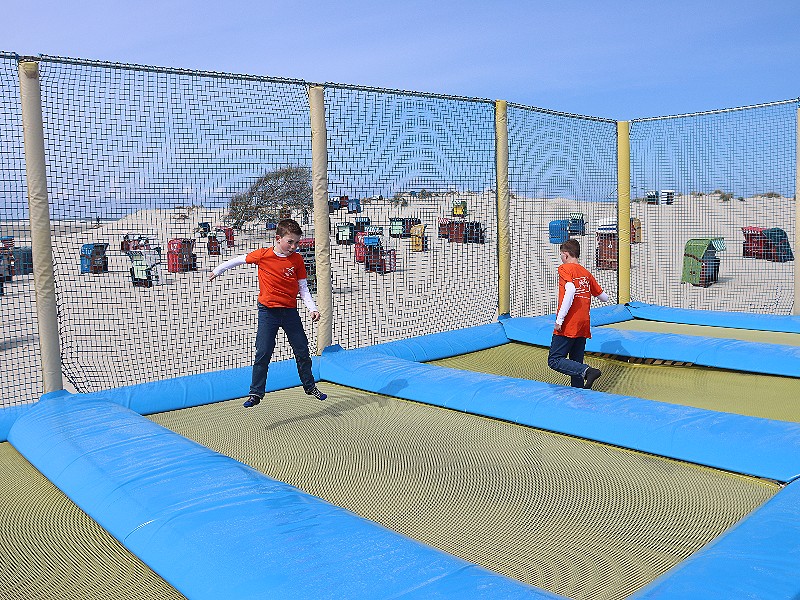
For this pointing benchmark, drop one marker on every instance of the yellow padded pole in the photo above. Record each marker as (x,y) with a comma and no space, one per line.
(624,211)
(39,215)
(503,208)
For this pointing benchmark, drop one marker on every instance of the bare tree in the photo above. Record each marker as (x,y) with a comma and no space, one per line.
(287,187)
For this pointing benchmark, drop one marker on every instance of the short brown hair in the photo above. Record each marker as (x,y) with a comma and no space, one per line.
(288,226)
(571,247)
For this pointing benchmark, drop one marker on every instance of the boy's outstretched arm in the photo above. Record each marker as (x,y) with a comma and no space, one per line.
(308,299)
(228,264)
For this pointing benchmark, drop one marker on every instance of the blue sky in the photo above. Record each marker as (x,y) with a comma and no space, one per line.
(618,60)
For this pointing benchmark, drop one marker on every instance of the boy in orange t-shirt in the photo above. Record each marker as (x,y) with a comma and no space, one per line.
(576,286)
(281,276)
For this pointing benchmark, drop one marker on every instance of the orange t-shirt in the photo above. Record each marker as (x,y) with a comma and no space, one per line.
(278,277)
(576,323)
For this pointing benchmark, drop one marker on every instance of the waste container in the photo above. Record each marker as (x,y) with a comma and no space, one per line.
(474,232)
(559,231)
(700,263)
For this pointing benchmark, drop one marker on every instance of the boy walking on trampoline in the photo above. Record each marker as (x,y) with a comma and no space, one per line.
(281,275)
(576,286)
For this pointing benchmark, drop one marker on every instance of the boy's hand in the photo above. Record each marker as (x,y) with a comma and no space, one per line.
(315,316)
(211,275)
(558,326)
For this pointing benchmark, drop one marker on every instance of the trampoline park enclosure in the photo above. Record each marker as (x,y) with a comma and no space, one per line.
(448,460)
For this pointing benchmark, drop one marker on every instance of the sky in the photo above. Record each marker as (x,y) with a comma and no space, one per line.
(615,59)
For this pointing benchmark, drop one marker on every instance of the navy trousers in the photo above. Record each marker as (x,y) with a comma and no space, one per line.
(566,356)
(269,321)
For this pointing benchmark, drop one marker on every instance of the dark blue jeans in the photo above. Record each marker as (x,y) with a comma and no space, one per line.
(562,347)
(269,321)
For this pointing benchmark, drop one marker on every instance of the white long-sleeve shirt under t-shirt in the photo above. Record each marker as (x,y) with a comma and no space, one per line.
(566,303)
(305,294)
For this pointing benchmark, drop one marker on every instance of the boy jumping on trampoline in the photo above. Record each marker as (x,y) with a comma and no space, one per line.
(281,275)
(576,286)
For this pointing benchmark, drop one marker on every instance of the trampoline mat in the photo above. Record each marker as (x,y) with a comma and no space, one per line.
(49,548)
(768,396)
(581,519)
(745,335)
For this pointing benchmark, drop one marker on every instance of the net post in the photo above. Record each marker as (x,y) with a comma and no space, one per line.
(503,208)
(322,237)
(39,215)
(624,211)
(796,303)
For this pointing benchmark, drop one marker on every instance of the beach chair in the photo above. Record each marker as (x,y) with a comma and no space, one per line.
(637,234)
(607,249)
(145,266)
(180,258)
(306,248)
(345,233)
(559,231)
(94,259)
(6,267)
(459,209)
(444,228)
(203,229)
(361,223)
(777,248)
(700,263)
(576,225)
(474,232)
(419,241)
(395,227)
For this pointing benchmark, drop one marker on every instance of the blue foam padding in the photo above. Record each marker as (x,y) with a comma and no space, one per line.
(215,528)
(713,318)
(759,447)
(8,417)
(436,346)
(757,558)
(753,357)
(196,390)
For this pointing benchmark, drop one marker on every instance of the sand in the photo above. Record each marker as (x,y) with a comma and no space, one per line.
(114,334)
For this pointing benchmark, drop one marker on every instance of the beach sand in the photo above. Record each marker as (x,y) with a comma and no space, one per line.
(114,334)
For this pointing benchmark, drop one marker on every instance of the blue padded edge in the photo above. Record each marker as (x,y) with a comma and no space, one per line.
(8,417)
(757,558)
(196,390)
(737,320)
(179,392)
(749,445)
(753,357)
(215,528)
(435,346)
